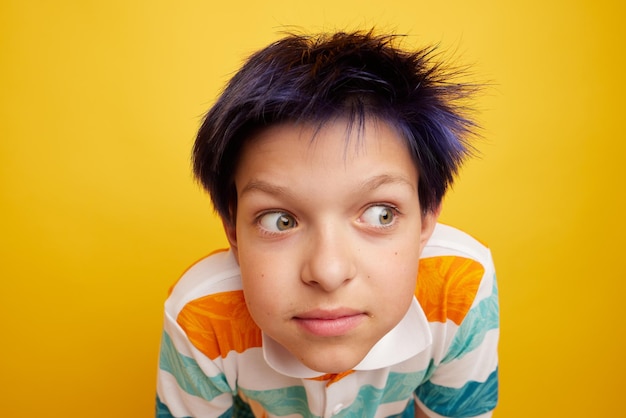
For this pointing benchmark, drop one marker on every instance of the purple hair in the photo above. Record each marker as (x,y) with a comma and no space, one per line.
(314,78)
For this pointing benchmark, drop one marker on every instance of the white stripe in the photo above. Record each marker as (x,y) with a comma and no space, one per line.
(432,414)
(447,240)
(181,403)
(214,274)
(474,366)
(184,347)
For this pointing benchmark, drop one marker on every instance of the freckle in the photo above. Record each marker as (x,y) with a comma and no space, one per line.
(396,253)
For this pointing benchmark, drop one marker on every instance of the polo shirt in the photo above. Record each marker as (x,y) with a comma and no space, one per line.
(216,362)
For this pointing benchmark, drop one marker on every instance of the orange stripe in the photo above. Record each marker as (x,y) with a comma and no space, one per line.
(220,323)
(447,286)
(256,407)
(331,377)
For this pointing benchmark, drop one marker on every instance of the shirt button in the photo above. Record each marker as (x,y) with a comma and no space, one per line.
(337,408)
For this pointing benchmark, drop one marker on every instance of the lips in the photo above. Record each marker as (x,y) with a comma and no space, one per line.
(330,323)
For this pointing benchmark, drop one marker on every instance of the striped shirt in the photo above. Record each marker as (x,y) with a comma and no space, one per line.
(216,362)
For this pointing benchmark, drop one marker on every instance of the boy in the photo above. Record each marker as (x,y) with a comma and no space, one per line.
(327,158)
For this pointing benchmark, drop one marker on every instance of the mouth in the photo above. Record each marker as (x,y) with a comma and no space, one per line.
(330,323)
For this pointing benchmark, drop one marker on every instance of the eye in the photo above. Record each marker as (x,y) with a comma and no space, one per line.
(379,215)
(277,221)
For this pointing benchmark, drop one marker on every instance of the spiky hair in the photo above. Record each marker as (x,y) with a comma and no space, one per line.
(306,78)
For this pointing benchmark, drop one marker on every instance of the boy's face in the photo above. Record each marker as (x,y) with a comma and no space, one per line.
(328,236)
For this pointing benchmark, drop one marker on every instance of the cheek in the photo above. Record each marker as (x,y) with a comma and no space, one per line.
(255,289)
(259,306)
(400,263)
(263,287)
(401,273)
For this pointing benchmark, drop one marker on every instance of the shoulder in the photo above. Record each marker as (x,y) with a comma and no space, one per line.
(449,241)
(456,287)
(207,303)
(214,274)
(455,273)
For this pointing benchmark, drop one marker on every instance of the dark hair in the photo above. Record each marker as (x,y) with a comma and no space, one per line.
(314,78)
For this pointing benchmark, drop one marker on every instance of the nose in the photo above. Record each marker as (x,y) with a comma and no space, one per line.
(329,260)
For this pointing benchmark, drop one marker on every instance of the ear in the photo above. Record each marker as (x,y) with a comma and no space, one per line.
(231,235)
(429,221)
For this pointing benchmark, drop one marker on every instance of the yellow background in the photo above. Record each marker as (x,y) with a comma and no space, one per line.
(99,213)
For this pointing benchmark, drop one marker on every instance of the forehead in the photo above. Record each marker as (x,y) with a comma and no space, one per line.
(350,134)
(333,149)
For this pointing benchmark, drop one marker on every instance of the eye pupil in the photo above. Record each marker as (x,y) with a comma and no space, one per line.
(284,222)
(379,216)
(277,221)
(385,216)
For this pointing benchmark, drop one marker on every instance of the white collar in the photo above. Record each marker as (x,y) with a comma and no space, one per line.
(410,337)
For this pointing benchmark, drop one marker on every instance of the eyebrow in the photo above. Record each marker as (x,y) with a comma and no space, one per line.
(265,187)
(369,184)
(384,179)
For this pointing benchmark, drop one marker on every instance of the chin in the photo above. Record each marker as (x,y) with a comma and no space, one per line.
(332,368)
(332,362)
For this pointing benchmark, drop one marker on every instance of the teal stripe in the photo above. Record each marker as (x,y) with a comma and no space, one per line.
(399,387)
(293,400)
(473,399)
(482,318)
(162,411)
(188,374)
(241,409)
(283,401)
